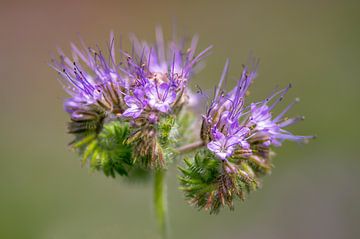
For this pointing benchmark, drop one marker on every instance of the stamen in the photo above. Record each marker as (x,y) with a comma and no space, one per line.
(284,91)
(297,100)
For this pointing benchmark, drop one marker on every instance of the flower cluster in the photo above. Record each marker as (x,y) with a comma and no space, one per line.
(142,88)
(229,125)
(128,115)
(240,137)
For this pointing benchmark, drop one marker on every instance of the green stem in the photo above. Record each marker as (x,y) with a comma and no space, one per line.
(160,201)
(190,147)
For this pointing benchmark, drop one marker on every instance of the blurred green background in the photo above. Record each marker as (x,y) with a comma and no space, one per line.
(314,190)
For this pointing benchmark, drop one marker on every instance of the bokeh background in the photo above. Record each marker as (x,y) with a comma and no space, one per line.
(314,190)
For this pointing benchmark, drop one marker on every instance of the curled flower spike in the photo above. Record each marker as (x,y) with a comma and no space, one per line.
(239,137)
(141,89)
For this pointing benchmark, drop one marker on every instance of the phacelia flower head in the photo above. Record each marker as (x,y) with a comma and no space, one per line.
(141,88)
(238,137)
(231,125)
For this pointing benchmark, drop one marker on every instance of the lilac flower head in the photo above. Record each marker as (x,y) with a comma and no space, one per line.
(238,137)
(230,125)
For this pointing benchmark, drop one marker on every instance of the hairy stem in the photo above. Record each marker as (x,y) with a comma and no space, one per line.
(190,147)
(160,201)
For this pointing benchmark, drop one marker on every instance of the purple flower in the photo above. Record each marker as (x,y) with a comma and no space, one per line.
(222,146)
(241,133)
(136,104)
(148,100)
(160,96)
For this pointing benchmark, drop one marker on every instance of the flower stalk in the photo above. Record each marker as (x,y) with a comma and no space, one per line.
(190,147)
(160,202)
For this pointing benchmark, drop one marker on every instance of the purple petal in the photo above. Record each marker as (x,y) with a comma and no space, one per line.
(244,144)
(233,140)
(163,88)
(139,93)
(170,97)
(222,155)
(214,146)
(162,107)
(218,135)
(132,112)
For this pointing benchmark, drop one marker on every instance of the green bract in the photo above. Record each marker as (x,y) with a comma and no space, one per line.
(209,183)
(107,150)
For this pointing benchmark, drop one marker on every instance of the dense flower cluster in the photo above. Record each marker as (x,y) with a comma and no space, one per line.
(144,87)
(152,80)
(229,125)
(239,137)
(128,113)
